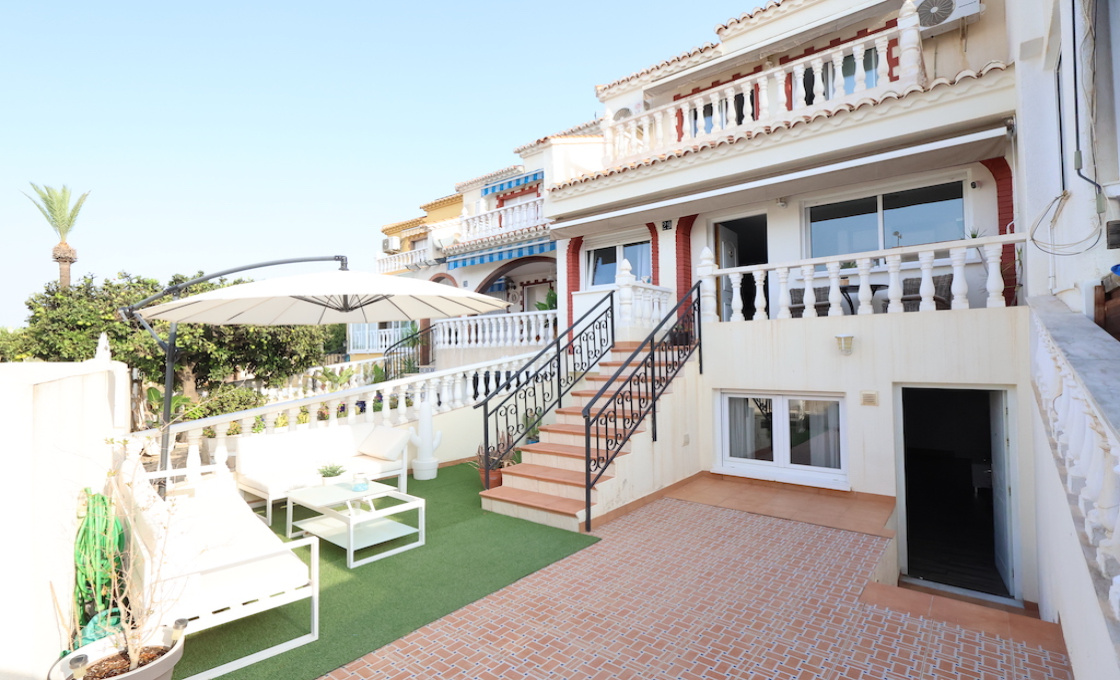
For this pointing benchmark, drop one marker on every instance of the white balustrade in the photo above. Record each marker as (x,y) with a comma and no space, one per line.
(869,274)
(400,261)
(524,329)
(367,338)
(640,305)
(713,114)
(388,403)
(504,219)
(1084,434)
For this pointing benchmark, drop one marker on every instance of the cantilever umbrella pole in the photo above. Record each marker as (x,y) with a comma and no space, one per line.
(132,312)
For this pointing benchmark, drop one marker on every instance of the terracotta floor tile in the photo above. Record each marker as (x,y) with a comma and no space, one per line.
(683,589)
(897,599)
(1037,633)
(971,616)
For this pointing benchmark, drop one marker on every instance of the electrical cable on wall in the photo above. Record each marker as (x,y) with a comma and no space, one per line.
(1082,245)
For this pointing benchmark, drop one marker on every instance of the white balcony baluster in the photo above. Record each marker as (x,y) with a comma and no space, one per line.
(760,295)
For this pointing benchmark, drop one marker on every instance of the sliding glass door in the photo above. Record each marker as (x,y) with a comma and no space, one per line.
(797,439)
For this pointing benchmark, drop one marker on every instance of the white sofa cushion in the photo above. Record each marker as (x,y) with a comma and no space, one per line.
(387,443)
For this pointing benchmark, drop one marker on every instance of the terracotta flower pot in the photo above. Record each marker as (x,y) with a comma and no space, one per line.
(160,669)
(495,477)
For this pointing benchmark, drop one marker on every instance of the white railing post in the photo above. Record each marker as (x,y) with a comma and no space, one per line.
(736,297)
(706,272)
(926,288)
(863,266)
(894,287)
(960,286)
(760,295)
(835,299)
(992,253)
(838,89)
(911,67)
(220,454)
(783,293)
(809,297)
(818,81)
(625,282)
(860,75)
(798,89)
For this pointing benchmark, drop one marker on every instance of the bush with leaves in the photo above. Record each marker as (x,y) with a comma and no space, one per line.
(65,324)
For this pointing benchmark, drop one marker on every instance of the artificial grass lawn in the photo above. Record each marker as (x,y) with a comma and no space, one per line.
(468,554)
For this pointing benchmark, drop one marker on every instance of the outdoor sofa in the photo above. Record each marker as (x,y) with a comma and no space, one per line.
(269,466)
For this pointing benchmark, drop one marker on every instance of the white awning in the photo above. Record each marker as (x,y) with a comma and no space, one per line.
(943,153)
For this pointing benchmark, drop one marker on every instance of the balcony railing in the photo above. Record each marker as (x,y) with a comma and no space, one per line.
(876,273)
(792,91)
(525,329)
(411,258)
(367,338)
(509,218)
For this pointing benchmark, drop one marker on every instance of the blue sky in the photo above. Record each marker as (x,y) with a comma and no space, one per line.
(218,134)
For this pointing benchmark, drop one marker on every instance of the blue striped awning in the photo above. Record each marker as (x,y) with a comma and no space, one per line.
(512,183)
(509,252)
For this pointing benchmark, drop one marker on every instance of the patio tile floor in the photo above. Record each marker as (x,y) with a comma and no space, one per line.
(689,589)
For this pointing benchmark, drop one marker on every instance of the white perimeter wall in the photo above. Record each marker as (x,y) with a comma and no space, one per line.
(1070,592)
(58,418)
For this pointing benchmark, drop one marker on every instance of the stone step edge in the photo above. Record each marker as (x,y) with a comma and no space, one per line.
(566,450)
(532,499)
(549,474)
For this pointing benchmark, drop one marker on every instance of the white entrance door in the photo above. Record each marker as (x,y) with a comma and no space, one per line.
(1001,487)
(728,257)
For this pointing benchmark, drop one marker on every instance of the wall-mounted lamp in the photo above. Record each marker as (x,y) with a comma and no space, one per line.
(782,203)
(844,344)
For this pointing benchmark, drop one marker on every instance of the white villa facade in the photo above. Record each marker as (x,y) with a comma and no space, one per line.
(866,247)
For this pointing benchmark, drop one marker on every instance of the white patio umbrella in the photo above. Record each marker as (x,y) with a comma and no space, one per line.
(326,298)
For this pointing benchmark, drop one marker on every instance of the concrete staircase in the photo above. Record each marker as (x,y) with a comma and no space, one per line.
(548,486)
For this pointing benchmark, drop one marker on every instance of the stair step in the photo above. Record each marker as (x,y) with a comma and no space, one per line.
(532,499)
(548,474)
(565,450)
(579,430)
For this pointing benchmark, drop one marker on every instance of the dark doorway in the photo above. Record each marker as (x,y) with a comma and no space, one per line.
(742,242)
(956,529)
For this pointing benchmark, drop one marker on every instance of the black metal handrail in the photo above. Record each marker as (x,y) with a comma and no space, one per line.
(404,354)
(652,366)
(527,394)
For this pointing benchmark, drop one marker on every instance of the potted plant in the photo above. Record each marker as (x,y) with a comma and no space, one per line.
(111,622)
(532,428)
(493,468)
(331,471)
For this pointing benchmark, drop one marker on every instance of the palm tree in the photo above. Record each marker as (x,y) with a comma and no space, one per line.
(56,208)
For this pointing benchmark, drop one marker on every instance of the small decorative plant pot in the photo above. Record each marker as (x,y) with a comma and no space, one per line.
(105,648)
(495,477)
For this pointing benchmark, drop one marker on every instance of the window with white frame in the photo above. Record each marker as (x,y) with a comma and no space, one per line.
(927,214)
(603,262)
(786,438)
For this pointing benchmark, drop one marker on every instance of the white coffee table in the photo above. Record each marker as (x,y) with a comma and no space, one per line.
(344,521)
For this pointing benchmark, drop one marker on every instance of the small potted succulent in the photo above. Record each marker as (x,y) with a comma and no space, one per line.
(329,472)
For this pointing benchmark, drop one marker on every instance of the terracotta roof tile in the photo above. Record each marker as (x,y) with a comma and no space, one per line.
(510,171)
(604,90)
(588,129)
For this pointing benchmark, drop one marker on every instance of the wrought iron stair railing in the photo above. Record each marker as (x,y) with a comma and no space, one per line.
(519,403)
(405,356)
(613,415)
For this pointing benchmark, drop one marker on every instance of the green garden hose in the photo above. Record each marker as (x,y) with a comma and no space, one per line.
(97,563)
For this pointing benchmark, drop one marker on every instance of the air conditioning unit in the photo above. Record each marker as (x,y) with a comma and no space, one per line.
(939,16)
(391,245)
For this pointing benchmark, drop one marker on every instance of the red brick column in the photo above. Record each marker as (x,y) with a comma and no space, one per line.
(571,264)
(1005,198)
(684,253)
(655,249)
